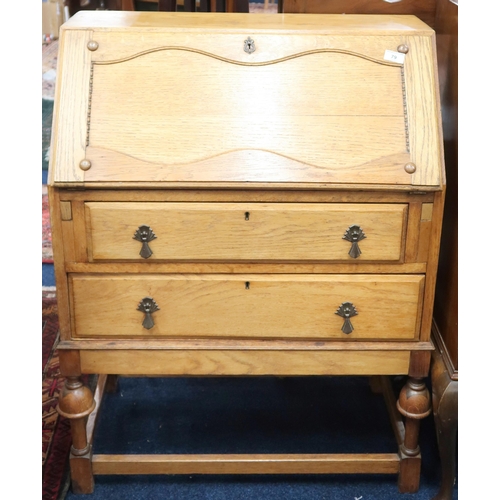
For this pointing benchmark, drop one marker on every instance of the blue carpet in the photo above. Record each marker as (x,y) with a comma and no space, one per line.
(48,278)
(253,415)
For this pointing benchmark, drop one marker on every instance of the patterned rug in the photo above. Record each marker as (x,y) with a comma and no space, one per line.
(49,66)
(47,255)
(56,434)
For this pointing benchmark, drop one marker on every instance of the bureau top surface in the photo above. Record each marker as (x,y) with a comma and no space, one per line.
(148,99)
(238,23)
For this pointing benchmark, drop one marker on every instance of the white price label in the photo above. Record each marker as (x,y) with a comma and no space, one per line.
(393,56)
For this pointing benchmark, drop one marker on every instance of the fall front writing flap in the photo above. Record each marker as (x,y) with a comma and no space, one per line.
(258,108)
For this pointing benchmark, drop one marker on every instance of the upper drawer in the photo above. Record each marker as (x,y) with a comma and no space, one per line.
(295,100)
(245,231)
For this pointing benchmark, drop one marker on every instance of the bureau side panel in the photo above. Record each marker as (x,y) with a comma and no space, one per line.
(71,108)
(424,113)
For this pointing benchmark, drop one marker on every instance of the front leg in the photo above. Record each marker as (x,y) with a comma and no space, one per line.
(414,404)
(76,402)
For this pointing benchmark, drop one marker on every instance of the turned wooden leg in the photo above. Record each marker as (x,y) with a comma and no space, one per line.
(76,403)
(414,404)
(445,409)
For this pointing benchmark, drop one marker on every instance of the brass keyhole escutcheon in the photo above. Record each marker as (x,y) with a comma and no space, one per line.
(249,45)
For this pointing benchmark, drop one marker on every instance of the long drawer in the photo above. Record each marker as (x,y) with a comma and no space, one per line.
(245,231)
(247,306)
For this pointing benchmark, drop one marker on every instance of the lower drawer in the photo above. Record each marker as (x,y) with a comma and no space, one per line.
(247,306)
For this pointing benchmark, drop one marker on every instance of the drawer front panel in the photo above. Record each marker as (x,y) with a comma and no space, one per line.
(246,231)
(247,306)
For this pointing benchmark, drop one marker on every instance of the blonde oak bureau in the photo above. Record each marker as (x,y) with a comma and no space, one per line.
(246,195)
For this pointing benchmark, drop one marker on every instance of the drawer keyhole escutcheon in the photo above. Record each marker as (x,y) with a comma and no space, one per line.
(247,215)
(148,306)
(347,311)
(145,234)
(249,45)
(354,234)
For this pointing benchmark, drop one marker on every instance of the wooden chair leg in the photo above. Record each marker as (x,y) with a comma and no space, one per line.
(76,402)
(445,409)
(414,404)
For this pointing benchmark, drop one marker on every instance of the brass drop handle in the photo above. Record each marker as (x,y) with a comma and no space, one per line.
(354,234)
(144,234)
(148,306)
(347,311)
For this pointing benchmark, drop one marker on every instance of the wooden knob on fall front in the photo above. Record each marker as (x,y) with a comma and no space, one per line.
(410,168)
(85,164)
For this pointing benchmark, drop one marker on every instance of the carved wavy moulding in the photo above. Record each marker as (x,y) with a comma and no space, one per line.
(296,118)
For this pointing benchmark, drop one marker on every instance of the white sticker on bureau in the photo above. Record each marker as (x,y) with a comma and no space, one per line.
(393,56)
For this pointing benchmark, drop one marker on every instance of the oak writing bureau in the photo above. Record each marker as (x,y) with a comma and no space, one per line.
(238,194)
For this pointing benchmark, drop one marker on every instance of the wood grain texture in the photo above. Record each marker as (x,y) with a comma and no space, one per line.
(245,231)
(432,264)
(349,118)
(247,464)
(413,231)
(243,344)
(289,306)
(424,115)
(244,268)
(271,48)
(354,133)
(245,362)
(274,195)
(159,22)
(59,248)
(71,106)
